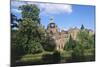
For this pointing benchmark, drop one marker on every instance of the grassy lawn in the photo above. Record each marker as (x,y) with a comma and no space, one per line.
(88,52)
(33,57)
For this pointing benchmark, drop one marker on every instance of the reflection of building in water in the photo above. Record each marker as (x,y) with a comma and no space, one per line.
(60,37)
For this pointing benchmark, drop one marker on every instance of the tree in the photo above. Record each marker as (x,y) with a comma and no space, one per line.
(35,47)
(13,17)
(13,20)
(29,33)
(70,44)
(82,27)
(78,53)
(49,44)
(85,39)
(91,41)
(30,11)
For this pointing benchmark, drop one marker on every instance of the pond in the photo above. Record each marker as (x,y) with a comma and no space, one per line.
(55,59)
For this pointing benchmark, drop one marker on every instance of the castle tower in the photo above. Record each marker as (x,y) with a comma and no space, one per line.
(52,27)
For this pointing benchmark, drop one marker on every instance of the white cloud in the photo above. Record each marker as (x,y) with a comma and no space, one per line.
(16,11)
(15,28)
(16,4)
(45,8)
(55,8)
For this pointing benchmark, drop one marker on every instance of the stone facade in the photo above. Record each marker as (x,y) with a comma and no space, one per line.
(61,37)
(73,32)
(58,37)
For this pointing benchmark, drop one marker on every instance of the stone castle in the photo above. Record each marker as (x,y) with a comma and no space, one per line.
(61,37)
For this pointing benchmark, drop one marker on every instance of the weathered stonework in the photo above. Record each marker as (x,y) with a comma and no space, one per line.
(61,37)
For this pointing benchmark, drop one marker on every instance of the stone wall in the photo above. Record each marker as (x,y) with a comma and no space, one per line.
(61,37)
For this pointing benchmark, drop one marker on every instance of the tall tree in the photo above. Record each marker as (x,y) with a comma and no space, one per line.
(70,44)
(85,39)
(82,27)
(29,29)
(30,11)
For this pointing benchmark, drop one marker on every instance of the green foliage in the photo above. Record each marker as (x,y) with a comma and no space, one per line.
(30,33)
(51,58)
(49,44)
(35,47)
(81,45)
(82,27)
(85,39)
(30,11)
(13,17)
(28,29)
(78,53)
(56,56)
(13,20)
(31,38)
(92,41)
(70,44)
(16,49)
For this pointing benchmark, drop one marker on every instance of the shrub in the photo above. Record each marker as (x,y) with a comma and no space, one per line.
(36,47)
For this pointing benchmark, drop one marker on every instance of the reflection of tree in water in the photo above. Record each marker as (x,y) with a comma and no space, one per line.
(54,58)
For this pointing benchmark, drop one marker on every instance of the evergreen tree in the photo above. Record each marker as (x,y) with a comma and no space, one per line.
(85,39)
(78,53)
(70,44)
(82,27)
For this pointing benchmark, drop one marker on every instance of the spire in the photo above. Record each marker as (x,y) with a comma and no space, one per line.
(51,20)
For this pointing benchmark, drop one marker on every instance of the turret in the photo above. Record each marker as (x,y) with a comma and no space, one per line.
(52,27)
